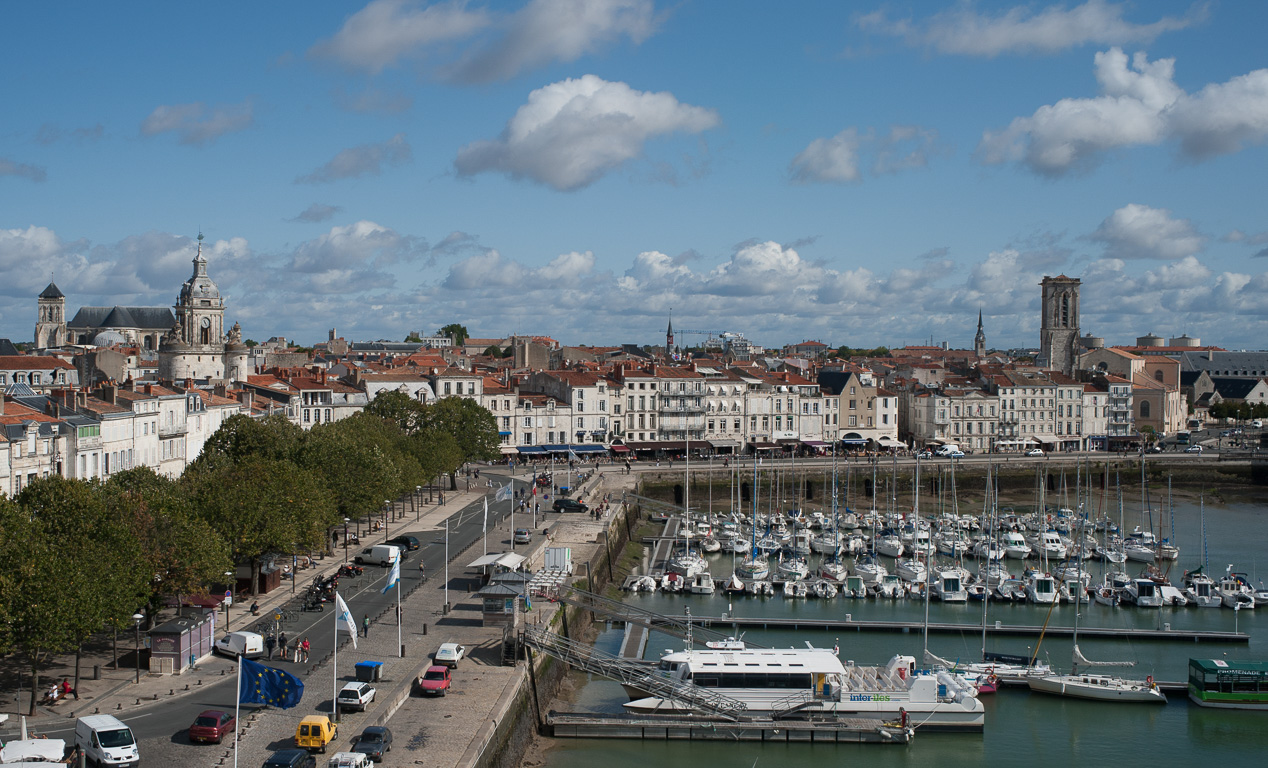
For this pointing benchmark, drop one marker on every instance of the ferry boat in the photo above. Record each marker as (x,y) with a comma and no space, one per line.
(814,682)
(1228,684)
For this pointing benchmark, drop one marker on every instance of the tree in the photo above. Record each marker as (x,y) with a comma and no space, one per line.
(184,552)
(493,350)
(396,407)
(76,569)
(242,436)
(359,473)
(472,426)
(458,333)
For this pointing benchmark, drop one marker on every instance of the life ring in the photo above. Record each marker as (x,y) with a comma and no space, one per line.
(1150,680)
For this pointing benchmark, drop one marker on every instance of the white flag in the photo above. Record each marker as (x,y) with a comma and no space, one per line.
(344,616)
(503,493)
(393,576)
(485,528)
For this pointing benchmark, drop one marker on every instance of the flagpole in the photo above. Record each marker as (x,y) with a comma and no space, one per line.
(446,565)
(237,708)
(484,532)
(334,667)
(400,619)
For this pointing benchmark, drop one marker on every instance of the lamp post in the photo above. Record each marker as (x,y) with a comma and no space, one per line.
(418,495)
(229,584)
(136,624)
(386,506)
(345,540)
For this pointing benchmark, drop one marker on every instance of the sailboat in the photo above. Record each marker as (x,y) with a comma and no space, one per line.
(753,568)
(1094,685)
(1199,588)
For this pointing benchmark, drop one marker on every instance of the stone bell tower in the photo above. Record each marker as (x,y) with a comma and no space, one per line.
(1059,329)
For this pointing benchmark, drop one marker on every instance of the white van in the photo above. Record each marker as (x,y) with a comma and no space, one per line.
(106,741)
(949,449)
(246,644)
(379,554)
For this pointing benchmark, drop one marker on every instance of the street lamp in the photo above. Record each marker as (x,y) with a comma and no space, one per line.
(227,603)
(136,623)
(386,506)
(418,495)
(345,540)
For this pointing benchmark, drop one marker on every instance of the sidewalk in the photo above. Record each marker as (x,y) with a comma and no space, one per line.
(116,691)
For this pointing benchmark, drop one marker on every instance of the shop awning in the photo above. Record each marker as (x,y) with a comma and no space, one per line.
(589,448)
(555,448)
(621,449)
(731,444)
(854,441)
(764,446)
(890,442)
(1045,439)
(531,449)
(814,443)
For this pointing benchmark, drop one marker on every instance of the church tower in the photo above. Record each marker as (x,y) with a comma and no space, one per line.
(669,339)
(195,349)
(979,341)
(1059,329)
(50,322)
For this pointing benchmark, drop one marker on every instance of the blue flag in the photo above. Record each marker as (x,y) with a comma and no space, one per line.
(266,685)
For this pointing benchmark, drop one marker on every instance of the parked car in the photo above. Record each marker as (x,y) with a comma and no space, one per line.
(348,760)
(1154,449)
(1193,449)
(570,505)
(315,732)
(1033,452)
(449,654)
(356,696)
(406,543)
(523,536)
(435,681)
(211,726)
(290,758)
(954,454)
(374,742)
(925,455)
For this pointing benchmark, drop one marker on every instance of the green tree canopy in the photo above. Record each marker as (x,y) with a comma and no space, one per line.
(354,458)
(396,407)
(456,332)
(241,436)
(470,424)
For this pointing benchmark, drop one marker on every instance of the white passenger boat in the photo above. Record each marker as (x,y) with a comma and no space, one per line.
(1015,546)
(814,682)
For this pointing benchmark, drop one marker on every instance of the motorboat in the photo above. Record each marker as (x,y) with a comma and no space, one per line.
(948,588)
(1106,595)
(643,584)
(1072,572)
(1201,590)
(760,588)
(1236,593)
(795,589)
(801,542)
(1142,593)
(1011,590)
(824,589)
(1041,588)
(1048,544)
(1015,545)
(854,587)
(702,584)
(890,587)
(761,684)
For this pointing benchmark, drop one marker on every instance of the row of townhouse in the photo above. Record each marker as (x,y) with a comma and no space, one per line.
(1014,410)
(92,435)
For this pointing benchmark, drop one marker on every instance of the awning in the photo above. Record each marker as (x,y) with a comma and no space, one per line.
(890,442)
(503,434)
(557,448)
(484,560)
(590,448)
(507,450)
(1045,439)
(854,441)
(814,443)
(732,444)
(531,449)
(510,560)
(668,445)
(763,446)
(621,449)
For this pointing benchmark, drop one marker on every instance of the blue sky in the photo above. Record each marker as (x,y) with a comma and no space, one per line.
(861,173)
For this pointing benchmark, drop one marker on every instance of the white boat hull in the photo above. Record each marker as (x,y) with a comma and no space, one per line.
(1097,688)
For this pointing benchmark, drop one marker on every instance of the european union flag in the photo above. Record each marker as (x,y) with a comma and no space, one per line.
(266,685)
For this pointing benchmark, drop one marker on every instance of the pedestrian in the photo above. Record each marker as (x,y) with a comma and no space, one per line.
(365,625)
(303,649)
(269,643)
(282,650)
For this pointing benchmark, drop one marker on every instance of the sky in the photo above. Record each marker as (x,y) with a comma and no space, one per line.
(861,173)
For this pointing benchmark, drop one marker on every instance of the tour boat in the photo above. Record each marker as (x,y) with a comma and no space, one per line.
(812,681)
(1228,684)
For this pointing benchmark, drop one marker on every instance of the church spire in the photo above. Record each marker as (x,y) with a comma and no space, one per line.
(979,341)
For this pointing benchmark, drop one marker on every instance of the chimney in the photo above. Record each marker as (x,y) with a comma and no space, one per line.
(109,393)
(1,403)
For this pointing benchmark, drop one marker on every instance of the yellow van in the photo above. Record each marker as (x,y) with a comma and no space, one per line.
(315,732)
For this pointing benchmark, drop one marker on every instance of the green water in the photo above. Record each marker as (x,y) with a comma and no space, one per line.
(1020,726)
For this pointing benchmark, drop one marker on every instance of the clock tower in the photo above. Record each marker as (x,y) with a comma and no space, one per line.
(195,348)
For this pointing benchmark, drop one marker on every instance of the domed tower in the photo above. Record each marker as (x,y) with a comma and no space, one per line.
(50,321)
(198,349)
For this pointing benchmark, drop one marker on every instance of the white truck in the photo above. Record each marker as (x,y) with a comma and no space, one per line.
(106,741)
(379,554)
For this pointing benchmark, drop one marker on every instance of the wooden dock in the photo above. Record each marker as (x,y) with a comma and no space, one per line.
(697,728)
(997,628)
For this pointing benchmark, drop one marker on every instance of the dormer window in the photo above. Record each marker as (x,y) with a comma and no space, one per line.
(528,406)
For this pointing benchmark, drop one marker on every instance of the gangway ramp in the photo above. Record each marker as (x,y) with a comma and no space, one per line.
(678,626)
(633,674)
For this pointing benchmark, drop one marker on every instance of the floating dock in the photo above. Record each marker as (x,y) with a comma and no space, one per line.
(697,728)
(997,628)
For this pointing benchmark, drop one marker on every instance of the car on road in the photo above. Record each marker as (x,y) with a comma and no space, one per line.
(449,654)
(348,760)
(406,543)
(211,726)
(1257,423)
(290,758)
(435,681)
(1154,449)
(1035,452)
(315,732)
(1193,449)
(569,505)
(374,742)
(356,696)
(523,536)
(925,455)
(954,454)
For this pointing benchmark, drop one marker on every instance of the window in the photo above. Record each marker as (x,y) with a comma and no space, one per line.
(1144,409)
(447,392)
(470,387)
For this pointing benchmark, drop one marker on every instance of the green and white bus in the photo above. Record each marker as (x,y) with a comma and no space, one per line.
(1228,684)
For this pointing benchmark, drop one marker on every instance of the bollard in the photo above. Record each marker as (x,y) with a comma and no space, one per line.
(172,691)
(200,681)
(96,671)
(187,686)
(424,630)
(119,706)
(402,650)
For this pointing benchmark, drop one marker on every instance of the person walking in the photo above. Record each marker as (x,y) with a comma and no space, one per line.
(365,625)
(269,644)
(282,650)
(303,650)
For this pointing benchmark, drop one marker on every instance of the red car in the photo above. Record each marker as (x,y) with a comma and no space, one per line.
(435,681)
(212,725)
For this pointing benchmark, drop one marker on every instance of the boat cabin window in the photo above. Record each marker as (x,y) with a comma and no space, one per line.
(751,680)
(669,666)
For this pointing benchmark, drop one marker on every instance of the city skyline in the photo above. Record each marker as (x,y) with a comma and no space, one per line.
(861,175)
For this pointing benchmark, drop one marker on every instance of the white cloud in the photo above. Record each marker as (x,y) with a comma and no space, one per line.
(570,133)
(196,123)
(477,45)
(360,161)
(837,160)
(361,244)
(317,212)
(828,160)
(1140,232)
(386,31)
(1140,105)
(544,31)
(964,30)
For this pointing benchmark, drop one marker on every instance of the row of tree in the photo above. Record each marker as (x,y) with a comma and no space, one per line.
(83,555)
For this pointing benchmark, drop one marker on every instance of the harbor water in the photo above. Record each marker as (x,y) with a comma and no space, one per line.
(1020,726)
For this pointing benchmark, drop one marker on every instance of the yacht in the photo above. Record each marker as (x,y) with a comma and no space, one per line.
(1235,593)
(891,587)
(702,583)
(1015,546)
(948,588)
(792,569)
(1048,544)
(795,589)
(889,544)
(1143,593)
(824,589)
(753,569)
(869,569)
(911,569)
(770,681)
(1099,687)
(833,570)
(1041,588)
